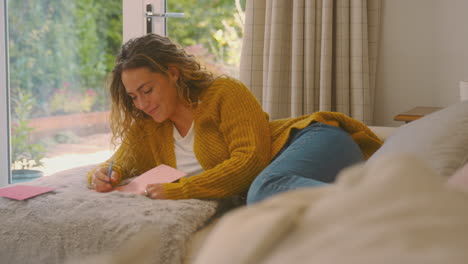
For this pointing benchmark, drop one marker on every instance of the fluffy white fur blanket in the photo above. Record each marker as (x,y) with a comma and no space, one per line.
(74,222)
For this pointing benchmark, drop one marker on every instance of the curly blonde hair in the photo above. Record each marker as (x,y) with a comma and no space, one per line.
(156,53)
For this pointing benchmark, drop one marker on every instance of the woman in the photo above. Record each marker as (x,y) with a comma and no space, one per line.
(166,109)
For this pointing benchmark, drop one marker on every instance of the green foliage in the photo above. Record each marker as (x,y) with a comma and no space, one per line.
(66,101)
(25,154)
(54,43)
(60,50)
(59,55)
(66,137)
(216,29)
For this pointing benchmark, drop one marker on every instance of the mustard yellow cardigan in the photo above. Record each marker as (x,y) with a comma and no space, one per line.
(234,142)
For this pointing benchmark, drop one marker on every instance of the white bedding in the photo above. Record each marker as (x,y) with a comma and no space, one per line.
(74,221)
(392,210)
(383,132)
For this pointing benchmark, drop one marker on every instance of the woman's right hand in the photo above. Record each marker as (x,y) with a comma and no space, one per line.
(101,182)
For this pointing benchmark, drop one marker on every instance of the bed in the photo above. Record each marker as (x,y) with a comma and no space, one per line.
(73,221)
(406,204)
(353,216)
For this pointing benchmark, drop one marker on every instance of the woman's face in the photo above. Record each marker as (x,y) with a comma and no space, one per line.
(152,93)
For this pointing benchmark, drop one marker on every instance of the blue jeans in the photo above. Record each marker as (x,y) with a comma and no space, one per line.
(313,156)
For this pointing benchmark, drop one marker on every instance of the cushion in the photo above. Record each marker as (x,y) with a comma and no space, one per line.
(374,213)
(440,139)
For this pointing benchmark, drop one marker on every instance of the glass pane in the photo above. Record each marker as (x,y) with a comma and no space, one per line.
(210,30)
(59,55)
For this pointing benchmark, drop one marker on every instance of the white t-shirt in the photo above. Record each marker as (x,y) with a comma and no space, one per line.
(185,157)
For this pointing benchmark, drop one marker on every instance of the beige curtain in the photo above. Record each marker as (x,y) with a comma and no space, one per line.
(302,56)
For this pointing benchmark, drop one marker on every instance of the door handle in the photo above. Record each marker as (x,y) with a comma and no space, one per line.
(149,17)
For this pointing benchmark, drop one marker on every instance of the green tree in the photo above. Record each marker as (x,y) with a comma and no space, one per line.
(215,31)
(64,49)
(25,154)
(57,45)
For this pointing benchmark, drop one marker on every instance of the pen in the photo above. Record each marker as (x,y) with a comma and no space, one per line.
(109,172)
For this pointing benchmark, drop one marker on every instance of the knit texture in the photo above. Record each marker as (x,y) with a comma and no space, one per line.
(234,142)
(361,134)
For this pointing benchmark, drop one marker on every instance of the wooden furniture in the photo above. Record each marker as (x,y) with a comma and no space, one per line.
(415,113)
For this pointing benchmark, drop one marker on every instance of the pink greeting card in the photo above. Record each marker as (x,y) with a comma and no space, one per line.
(22,192)
(159,174)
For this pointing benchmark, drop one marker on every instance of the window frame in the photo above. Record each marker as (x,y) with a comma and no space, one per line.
(5,177)
(134,21)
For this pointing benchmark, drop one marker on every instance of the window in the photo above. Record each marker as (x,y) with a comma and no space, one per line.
(210,30)
(59,54)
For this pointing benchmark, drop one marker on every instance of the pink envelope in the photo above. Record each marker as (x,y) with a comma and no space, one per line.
(159,174)
(22,192)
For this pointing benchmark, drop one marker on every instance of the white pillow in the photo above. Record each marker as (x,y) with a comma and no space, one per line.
(395,209)
(440,139)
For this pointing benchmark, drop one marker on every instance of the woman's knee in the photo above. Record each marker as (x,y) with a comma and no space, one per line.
(344,149)
(326,150)
(314,156)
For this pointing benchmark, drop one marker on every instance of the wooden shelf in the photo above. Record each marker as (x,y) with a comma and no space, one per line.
(415,113)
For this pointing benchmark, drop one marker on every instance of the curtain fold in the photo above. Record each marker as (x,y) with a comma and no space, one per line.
(302,56)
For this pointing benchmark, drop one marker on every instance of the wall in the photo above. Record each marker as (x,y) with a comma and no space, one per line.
(422,57)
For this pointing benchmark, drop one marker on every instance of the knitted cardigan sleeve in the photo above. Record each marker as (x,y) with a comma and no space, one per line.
(133,156)
(245,130)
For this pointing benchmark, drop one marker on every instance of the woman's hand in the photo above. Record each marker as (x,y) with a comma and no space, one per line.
(101,182)
(155,191)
